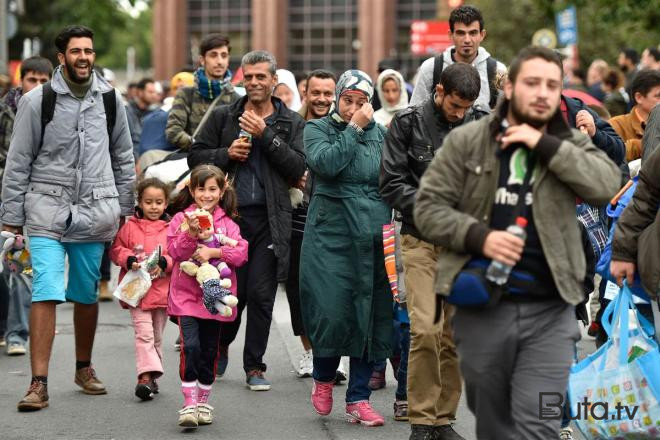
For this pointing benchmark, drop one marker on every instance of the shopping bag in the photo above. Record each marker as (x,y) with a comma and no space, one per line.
(615,392)
(133,287)
(389,252)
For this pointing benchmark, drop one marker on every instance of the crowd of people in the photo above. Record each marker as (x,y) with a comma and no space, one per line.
(237,188)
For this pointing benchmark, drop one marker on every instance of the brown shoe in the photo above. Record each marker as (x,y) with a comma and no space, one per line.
(36,397)
(87,380)
(104,291)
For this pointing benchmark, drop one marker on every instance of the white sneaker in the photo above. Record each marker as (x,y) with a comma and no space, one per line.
(16,349)
(204,414)
(188,417)
(342,371)
(305,365)
(566,434)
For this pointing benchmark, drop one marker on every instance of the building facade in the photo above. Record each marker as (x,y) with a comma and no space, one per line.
(302,34)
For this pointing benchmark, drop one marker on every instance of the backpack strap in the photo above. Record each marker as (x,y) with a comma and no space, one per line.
(110,105)
(491,70)
(438,65)
(47,108)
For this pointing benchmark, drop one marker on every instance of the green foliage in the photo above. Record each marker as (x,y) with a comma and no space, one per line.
(114,29)
(604,26)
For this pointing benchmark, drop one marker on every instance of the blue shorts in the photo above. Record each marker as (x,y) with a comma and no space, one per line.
(48,266)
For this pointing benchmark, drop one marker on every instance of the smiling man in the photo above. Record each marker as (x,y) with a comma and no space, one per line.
(466,30)
(258,142)
(523,345)
(212,87)
(69,177)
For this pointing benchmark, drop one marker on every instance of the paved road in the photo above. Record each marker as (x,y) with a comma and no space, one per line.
(282,413)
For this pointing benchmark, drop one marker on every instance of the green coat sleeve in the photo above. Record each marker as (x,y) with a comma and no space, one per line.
(327,159)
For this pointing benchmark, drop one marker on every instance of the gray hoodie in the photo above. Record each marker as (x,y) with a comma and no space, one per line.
(425,78)
(76,185)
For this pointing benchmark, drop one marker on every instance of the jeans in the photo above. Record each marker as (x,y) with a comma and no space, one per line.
(325,370)
(19,287)
(402,374)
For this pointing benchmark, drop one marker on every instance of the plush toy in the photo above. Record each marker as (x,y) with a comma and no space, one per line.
(14,252)
(216,295)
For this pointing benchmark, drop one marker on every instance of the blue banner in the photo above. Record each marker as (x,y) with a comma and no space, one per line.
(567,32)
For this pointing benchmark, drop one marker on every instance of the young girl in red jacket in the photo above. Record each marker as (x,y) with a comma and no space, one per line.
(200,329)
(136,239)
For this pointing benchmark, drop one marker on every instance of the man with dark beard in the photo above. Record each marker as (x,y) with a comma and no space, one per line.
(523,345)
(68,179)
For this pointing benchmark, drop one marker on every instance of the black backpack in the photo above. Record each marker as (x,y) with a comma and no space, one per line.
(491,70)
(48,109)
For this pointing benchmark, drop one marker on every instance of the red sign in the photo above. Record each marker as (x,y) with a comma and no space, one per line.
(429,37)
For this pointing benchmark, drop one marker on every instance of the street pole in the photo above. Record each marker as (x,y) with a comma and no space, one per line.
(3,37)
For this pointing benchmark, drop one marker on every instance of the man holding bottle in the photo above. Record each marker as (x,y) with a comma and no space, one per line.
(523,345)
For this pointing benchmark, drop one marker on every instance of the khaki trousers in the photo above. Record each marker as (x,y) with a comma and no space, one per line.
(434,378)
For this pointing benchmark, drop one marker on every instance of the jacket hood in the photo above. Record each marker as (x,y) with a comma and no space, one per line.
(285,77)
(403,99)
(99,84)
(482,56)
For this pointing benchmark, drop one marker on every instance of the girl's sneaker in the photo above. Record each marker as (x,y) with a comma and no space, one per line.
(322,397)
(188,417)
(204,414)
(143,389)
(363,413)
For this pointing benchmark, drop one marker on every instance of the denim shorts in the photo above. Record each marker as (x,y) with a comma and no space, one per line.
(48,267)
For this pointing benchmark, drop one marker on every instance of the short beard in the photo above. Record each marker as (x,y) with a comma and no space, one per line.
(522,118)
(73,76)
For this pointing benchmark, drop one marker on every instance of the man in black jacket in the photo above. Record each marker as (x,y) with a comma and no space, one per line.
(262,168)
(415,134)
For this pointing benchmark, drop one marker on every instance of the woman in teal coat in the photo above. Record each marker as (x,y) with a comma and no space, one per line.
(344,292)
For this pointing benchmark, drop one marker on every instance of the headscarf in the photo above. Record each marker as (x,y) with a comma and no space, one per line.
(285,77)
(385,114)
(352,81)
(182,79)
(210,88)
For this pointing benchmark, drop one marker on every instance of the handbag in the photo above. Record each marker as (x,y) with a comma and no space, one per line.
(471,288)
(615,392)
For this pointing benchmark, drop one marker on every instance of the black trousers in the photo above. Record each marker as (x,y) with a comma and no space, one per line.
(257,286)
(199,349)
(293,285)
(105,263)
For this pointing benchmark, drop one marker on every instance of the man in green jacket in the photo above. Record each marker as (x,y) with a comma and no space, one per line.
(212,82)
(522,347)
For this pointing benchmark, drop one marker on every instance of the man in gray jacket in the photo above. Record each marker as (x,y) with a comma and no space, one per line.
(521,348)
(68,179)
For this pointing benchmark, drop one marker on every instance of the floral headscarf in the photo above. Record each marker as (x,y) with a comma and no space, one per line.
(352,81)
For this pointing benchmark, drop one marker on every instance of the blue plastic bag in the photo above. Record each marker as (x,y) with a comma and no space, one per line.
(625,371)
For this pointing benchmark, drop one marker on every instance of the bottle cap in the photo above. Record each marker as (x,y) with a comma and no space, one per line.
(521,221)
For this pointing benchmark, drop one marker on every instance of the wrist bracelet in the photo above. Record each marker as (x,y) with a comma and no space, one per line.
(356,127)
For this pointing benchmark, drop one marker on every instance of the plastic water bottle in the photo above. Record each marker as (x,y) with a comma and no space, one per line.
(498,272)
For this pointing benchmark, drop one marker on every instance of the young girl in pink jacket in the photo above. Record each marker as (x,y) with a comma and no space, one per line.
(136,239)
(199,329)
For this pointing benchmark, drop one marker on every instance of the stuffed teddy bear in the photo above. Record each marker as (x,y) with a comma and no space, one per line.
(14,252)
(216,295)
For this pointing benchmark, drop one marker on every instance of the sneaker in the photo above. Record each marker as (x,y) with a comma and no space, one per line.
(223,361)
(566,434)
(204,414)
(36,397)
(188,417)
(104,291)
(16,349)
(377,380)
(256,381)
(305,366)
(422,432)
(143,389)
(86,379)
(401,410)
(322,397)
(446,432)
(593,329)
(342,372)
(363,413)
(177,344)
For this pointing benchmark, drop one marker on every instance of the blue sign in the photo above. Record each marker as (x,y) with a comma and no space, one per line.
(567,32)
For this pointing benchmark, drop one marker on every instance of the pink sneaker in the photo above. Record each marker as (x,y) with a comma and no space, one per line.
(362,412)
(322,397)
